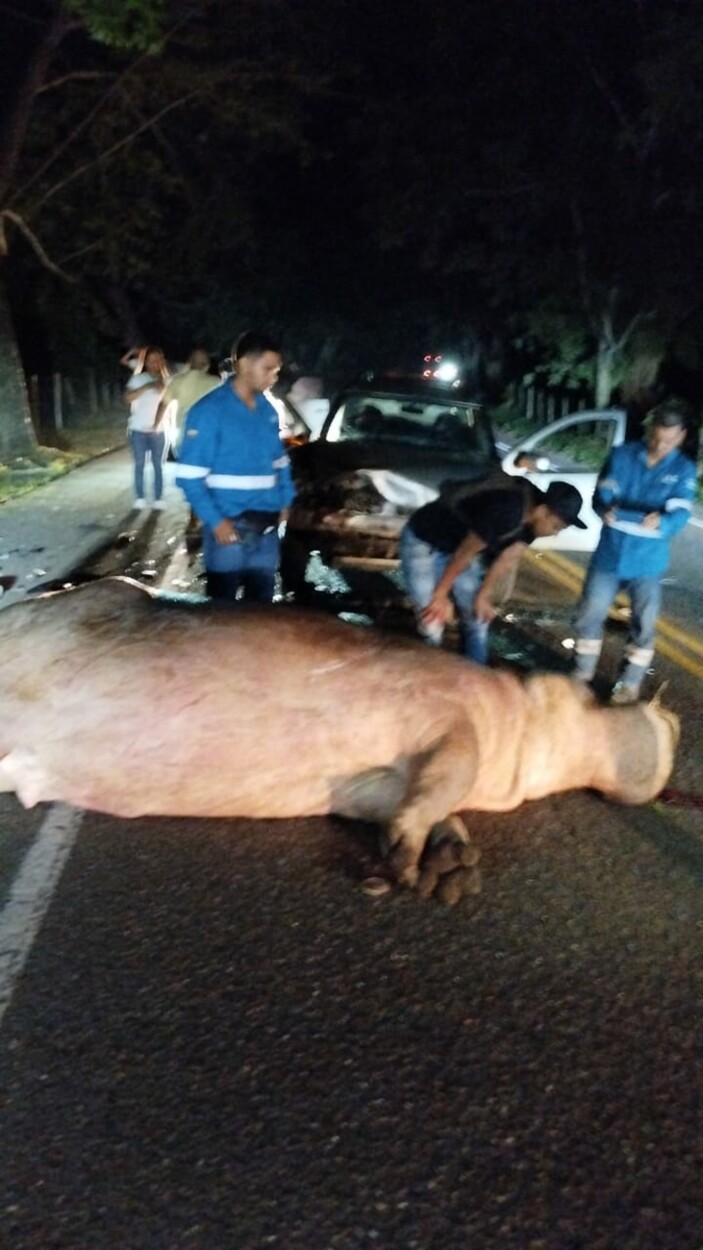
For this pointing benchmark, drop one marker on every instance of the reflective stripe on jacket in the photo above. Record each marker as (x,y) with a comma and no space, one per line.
(231,458)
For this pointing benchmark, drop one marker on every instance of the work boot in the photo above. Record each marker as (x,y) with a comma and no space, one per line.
(623,696)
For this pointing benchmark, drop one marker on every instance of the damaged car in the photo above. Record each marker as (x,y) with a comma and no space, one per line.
(390,443)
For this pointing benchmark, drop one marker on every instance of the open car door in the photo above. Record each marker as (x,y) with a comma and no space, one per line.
(573,450)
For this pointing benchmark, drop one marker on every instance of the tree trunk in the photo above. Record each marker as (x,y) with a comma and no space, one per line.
(604,374)
(17,436)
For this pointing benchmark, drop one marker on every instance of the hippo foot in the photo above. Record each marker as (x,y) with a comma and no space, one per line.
(448,868)
(448,865)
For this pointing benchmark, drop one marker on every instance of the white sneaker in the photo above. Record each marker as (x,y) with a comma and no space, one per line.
(138,503)
(158,505)
(623,696)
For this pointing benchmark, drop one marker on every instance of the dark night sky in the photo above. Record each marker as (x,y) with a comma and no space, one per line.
(373,173)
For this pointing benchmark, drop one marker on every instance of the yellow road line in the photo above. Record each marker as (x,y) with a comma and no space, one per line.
(564,572)
(679,657)
(571,576)
(689,641)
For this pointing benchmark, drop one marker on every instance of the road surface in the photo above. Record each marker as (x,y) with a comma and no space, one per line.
(213,1039)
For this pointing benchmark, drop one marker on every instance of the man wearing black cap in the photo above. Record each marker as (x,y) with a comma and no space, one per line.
(469,552)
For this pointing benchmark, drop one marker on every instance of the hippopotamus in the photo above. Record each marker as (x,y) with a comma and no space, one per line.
(119,700)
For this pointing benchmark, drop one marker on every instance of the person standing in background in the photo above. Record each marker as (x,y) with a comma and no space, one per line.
(644,494)
(133,359)
(184,390)
(142,393)
(235,473)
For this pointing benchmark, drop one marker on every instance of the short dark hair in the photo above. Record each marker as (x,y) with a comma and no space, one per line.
(255,343)
(670,413)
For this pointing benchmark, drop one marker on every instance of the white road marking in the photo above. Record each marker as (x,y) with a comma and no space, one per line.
(31,894)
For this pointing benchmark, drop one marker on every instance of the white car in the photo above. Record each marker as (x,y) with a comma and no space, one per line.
(573,450)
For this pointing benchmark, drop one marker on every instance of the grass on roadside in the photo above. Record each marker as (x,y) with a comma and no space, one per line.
(80,443)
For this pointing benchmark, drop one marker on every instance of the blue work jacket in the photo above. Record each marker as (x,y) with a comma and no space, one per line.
(631,488)
(231,459)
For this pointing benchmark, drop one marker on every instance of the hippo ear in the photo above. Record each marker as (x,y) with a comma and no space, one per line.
(657,697)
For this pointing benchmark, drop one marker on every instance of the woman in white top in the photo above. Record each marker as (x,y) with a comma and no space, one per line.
(142,393)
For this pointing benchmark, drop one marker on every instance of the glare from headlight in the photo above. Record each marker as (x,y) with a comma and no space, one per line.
(446,372)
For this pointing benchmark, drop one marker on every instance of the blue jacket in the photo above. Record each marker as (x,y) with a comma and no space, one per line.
(631,488)
(232,459)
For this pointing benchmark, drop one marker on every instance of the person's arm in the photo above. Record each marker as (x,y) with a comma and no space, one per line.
(160,411)
(198,454)
(437,609)
(607,492)
(499,582)
(663,521)
(679,508)
(132,357)
(280,463)
(284,482)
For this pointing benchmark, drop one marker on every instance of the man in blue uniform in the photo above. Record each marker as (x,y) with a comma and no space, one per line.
(644,494)
(235,474)
(469,552)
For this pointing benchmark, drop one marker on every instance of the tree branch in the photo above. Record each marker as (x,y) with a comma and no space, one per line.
(77,75)
(15,129)
(34,243)
(104,156)
(626,126)
(581,257)
(171,154)
(81,251)
(58,151)
(630,329)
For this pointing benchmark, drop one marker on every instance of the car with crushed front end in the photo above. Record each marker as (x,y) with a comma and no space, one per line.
(390,443)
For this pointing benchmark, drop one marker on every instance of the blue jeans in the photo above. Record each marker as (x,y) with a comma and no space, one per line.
(422,567)
(599,591)
(249,565)
(143,443)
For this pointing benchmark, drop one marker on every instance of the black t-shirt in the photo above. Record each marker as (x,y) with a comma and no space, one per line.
(495,515)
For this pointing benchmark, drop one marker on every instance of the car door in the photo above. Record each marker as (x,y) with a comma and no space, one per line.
(573,450)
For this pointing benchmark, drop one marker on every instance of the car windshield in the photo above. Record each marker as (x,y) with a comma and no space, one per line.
(420,422)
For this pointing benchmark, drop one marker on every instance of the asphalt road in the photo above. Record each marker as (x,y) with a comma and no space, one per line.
(218,1041)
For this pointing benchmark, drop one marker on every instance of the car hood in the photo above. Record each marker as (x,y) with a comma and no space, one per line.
(406,477)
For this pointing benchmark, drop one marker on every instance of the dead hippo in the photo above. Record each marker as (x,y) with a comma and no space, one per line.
(118,700)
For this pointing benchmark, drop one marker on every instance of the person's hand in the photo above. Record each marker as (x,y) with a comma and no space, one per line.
(437,610)
(484,610)
(226,532)
(651,521)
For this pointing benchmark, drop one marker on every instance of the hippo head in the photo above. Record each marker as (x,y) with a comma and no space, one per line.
(627,753)
(643,741)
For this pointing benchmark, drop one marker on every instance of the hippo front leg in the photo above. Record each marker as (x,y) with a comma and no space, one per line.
(449,865)
(439,781)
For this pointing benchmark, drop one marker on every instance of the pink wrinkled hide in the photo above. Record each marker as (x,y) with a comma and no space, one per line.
(116,700)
